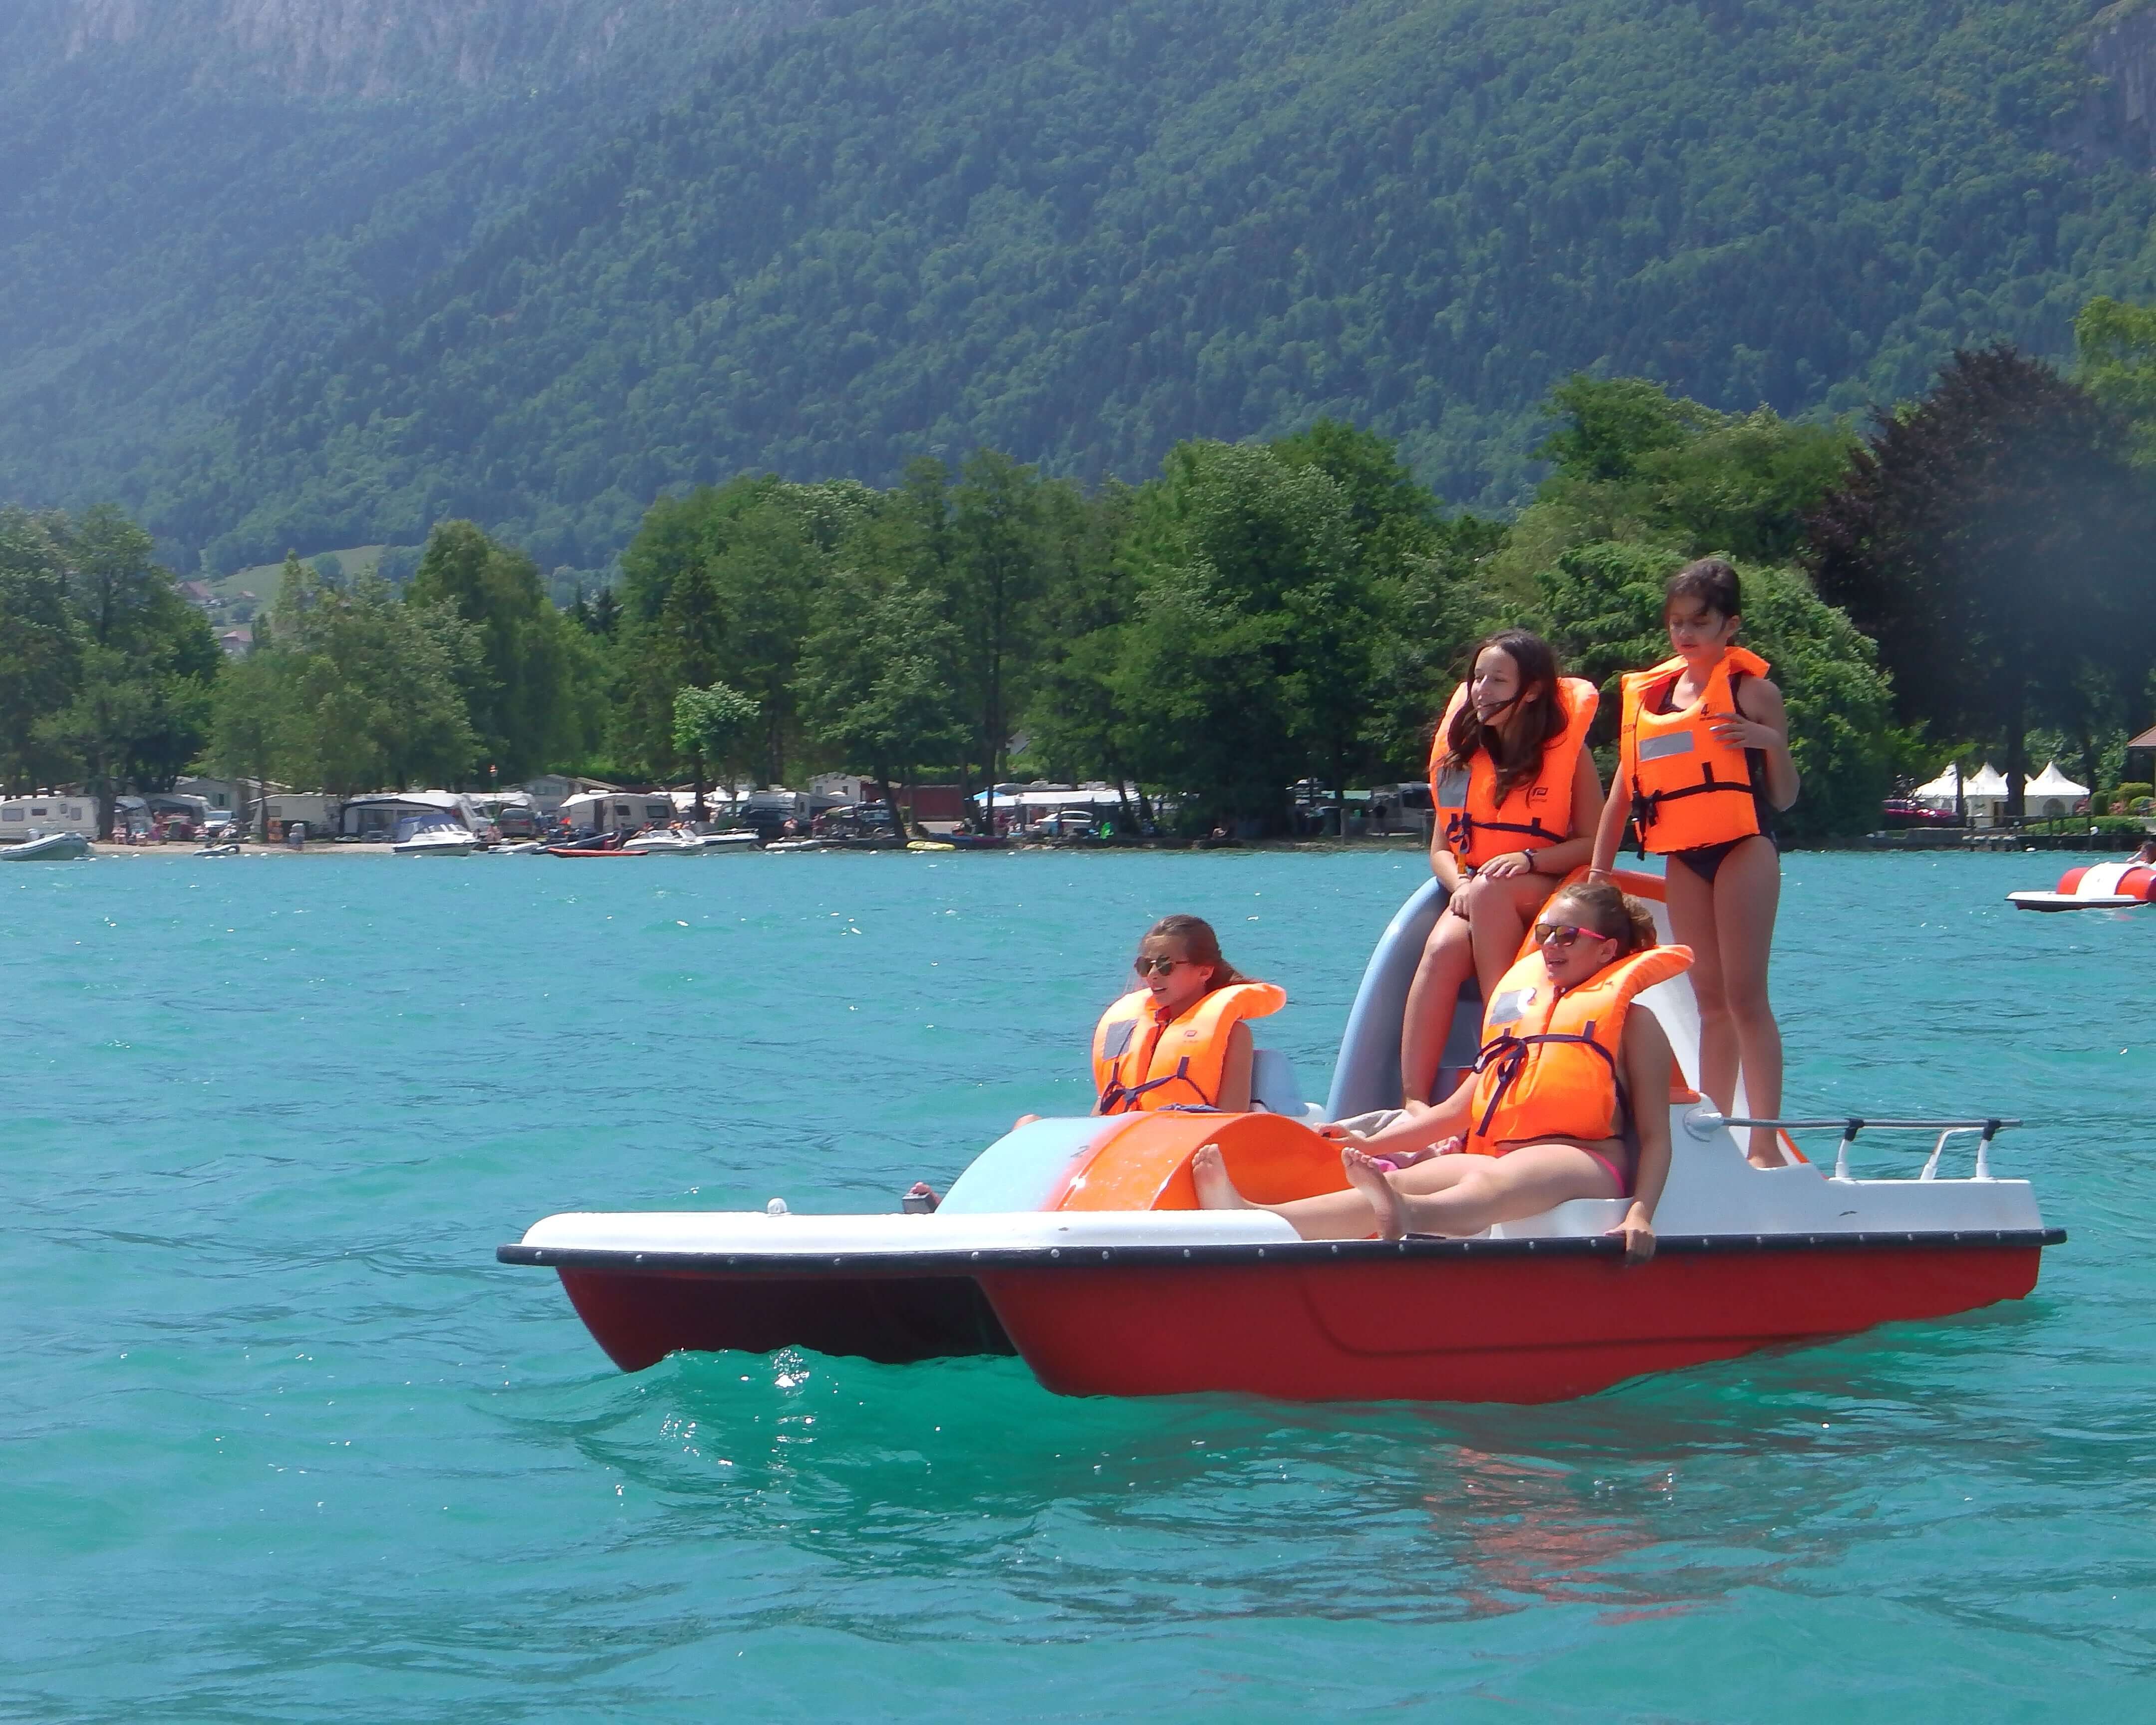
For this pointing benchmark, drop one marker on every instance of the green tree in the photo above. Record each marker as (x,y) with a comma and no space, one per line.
(249,723)
(1994,539)
(140,710)
(709,728)
(40,649)
(876,676)
(522,705)
(1000,557)
(2115,351)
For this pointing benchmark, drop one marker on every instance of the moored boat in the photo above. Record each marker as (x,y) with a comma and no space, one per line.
(2104,886)
(47,847)
(1076,1243)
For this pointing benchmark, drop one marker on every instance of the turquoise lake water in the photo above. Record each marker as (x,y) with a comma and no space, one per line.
(284,1443)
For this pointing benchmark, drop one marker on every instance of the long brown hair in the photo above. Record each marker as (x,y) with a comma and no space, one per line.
(1200,945)
(1540,713)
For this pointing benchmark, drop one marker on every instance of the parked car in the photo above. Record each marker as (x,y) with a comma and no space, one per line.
(856,820)
(1901,812)
(1064,823)
(515,822)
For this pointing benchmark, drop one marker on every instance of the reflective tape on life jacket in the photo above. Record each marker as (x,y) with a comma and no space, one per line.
(1534,814)
(1689,788)
(1141,1061)
(1549,1068)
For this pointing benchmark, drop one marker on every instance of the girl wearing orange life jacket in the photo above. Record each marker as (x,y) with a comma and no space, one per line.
(1567,1074)
(1179,1041)
(1517,798)
(1704,762)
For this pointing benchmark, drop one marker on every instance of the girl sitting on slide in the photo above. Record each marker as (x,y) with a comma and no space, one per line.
(1518,797)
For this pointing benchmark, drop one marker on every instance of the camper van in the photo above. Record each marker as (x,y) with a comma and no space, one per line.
(617,811)
(27,817)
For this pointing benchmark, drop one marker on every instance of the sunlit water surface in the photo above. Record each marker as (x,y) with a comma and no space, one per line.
(284,1441)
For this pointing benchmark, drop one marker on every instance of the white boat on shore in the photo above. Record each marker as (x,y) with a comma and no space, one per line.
(668,841)
(47,847)
(433,835)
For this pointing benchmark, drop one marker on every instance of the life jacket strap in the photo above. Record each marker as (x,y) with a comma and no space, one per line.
(1507,1055)
(1121,1098)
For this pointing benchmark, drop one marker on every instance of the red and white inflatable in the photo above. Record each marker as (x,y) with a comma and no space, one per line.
(2105,886)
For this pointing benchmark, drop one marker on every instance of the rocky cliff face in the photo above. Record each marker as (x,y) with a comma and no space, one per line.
(2122,49)
(383,48)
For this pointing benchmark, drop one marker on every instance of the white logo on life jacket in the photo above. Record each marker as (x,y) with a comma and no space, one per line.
(1511,1006)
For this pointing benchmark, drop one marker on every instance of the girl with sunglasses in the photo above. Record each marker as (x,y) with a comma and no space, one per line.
(1547,1115)
(1516,798)
(1179,1040)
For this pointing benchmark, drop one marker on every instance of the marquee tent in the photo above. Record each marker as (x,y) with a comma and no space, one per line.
(2050,792)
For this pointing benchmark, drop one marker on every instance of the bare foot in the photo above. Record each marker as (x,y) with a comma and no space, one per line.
(1365,1176)
(1766,1150)
(1024,1119)
(1215,1190)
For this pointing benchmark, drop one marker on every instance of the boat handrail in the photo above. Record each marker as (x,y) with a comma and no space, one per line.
(1705,1122)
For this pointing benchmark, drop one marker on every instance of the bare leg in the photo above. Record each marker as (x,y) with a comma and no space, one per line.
(1499,913)
(1747,892)
(1210,1174)
(1447,961)
(1690,902)
(1332,1215)
(1504,1188)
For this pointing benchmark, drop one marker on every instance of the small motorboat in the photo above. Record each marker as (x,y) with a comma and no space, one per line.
(799,844)
(227,849)
(433,835)
(679,841)
(523,847)
(609,846)
(1077,1243)
(47,847)
(2105,886)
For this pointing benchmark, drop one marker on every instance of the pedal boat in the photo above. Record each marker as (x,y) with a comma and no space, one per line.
(2105,886)
(1076,1243)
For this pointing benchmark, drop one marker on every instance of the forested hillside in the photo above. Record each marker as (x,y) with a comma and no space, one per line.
(1079,233)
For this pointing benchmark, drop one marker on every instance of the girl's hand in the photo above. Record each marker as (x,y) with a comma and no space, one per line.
(1734,731)
(1638,1233)
(1456,904)
(1341,1135)
(1512,862)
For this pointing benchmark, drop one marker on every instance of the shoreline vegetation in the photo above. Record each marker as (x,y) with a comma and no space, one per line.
(1968,577)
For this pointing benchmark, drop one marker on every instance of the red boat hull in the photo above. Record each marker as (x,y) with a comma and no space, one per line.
(1420,1320)
(1510,1329)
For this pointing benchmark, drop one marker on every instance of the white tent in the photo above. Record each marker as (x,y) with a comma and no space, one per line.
(2051,793)
(1982,793)
(1941,791)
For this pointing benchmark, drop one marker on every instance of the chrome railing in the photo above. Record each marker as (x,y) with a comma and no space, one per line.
(1705,1122)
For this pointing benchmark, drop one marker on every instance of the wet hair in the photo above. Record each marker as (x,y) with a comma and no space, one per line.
(1200,945)
(1711,581)
(1540,713)
(1609,911)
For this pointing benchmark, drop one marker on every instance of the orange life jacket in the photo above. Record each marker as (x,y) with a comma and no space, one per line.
(1536,813)
(1549,1068)
(1689,788)
(1141,1061)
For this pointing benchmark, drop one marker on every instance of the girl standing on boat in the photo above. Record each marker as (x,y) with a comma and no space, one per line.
(1703,764)
(1516,798)
(1569,1099)
(1179,1040)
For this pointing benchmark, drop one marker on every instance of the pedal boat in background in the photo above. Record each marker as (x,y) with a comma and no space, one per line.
(2104,886)
(1075,1243)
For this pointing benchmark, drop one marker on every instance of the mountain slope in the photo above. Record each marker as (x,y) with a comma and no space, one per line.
(1083,232)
